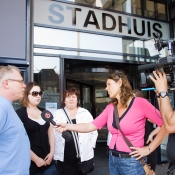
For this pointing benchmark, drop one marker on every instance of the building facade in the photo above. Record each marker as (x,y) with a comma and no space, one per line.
(78,43)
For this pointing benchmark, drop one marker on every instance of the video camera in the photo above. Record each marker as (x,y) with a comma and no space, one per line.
(165,64)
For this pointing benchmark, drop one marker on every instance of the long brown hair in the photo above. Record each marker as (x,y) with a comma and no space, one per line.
(126,89)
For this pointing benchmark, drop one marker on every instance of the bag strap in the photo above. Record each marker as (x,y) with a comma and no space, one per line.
(142,161)
(74,136)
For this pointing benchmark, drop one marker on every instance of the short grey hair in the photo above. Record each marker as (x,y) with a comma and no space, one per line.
(6,72)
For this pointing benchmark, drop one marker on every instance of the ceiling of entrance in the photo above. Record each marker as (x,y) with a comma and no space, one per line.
(89,78)
(93,72)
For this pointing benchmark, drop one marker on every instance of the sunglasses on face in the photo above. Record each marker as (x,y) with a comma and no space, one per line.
(36,93)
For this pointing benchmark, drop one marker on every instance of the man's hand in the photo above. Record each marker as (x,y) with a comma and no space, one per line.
(160,81)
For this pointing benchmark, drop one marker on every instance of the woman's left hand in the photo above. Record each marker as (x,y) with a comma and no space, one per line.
(139,152)
(48,159)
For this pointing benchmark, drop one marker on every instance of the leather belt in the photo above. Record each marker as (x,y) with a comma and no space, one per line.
(121,155)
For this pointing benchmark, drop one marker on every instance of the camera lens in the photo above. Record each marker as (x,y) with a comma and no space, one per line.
(145,80)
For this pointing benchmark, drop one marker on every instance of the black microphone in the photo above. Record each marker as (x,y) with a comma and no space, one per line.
(48,117)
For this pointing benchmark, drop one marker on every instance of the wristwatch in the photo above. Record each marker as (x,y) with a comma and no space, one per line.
(163,94)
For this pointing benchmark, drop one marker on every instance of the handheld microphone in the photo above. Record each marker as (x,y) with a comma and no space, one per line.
(48,117)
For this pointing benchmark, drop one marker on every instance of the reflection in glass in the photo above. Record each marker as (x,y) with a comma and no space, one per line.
(149,9)
(101,99)
(133,47)
(47,75)
(161,11)
(128,6)
(132,6)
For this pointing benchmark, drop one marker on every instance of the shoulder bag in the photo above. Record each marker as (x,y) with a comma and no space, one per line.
(145,166)
(86,166)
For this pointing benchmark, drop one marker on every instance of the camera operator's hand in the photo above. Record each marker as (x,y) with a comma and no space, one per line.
(167,113)
(160,81)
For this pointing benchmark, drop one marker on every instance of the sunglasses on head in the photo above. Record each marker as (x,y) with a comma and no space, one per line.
(36,93)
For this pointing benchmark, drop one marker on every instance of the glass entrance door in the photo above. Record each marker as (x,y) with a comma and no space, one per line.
(89,77)
(86,98)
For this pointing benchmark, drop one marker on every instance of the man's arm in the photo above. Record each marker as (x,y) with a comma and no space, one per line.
(166,110)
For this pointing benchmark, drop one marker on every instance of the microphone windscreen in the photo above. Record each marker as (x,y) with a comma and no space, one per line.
(47,116)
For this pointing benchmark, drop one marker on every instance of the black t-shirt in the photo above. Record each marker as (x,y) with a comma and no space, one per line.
(70,153)
(148,129)
(170,147)
(38,136)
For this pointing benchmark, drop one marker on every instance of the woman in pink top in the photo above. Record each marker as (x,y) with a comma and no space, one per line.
(133,112)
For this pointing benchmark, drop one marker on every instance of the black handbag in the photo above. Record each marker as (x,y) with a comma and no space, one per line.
(87,166)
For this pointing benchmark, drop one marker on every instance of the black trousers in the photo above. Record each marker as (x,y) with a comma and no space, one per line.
(68,168)
(152,159)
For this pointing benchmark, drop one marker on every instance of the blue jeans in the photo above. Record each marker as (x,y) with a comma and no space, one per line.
(50,171)
(124,166)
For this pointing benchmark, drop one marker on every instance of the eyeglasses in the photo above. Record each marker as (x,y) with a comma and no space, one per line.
(20,81)
(36,93)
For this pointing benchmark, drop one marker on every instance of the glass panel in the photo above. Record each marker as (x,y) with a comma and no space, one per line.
(54,37)
(132,6)
(133,47)
(136,7)
(87,103)
(47,75)
(161,11)
(101,100)
(149,9)
(129,6)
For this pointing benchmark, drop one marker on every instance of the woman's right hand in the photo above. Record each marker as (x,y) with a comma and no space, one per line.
(61,127)
(40,162)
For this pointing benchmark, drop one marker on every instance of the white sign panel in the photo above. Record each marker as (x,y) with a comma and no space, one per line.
(76,17)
